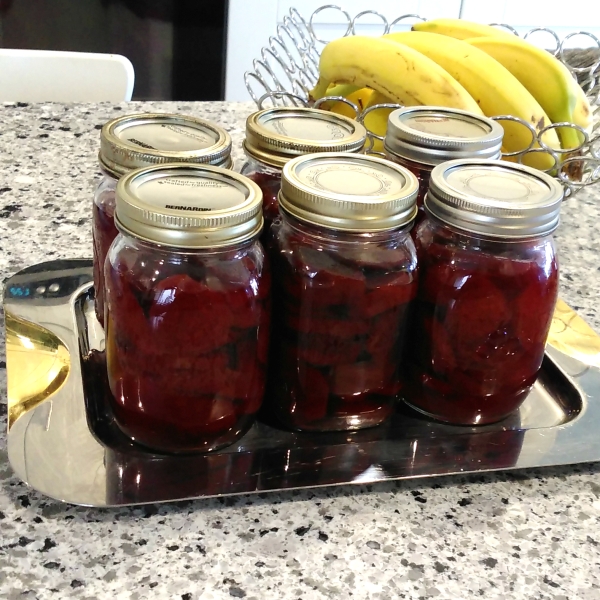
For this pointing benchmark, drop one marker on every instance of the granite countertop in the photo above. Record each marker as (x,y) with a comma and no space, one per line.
(531,534)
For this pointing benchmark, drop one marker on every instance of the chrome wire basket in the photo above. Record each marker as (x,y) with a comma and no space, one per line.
(288,68)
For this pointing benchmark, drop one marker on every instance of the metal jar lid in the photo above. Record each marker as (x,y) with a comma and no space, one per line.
(348,192)
(276,135)
(143,140)
(189,206)
(494,198)
(431,135)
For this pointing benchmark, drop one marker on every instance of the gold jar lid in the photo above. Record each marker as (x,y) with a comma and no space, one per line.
(184,205)
(276,135)
(146,139)
(494,198)
(432,135)
(349,192)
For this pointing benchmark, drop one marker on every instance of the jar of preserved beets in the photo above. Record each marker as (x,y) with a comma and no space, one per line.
(187,299)
(488,284)
(344,277)
(276,135)
(421,137)
(143,140)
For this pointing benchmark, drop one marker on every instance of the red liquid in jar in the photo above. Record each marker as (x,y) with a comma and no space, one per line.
(482,318)
(423,175)
(338,328)
(270,184)
(103,234)
(187,347)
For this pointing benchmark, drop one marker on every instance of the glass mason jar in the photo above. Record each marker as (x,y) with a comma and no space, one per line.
(276,135)
(143,140)
(344,278)
(488,284)
(421,137)
(187,299)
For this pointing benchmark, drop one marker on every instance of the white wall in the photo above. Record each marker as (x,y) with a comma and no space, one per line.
(252,22)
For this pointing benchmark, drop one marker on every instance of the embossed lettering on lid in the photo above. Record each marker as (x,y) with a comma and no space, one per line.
(189,206)
(349,192)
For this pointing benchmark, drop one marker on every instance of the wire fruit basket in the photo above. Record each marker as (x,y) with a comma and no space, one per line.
(288,68)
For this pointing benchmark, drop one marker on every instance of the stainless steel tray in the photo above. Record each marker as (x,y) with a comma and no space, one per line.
(62,440)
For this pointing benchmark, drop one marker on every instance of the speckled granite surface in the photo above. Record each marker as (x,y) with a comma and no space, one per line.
(526,534)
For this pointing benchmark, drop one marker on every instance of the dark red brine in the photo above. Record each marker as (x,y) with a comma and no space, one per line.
(187,329)
(276,135)
(139,140)
(343,288)
(488,285)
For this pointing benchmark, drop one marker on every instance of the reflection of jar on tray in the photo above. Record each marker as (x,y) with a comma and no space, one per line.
(421,137)
(132,477)
(344,277)
(488,283)
(187,295)
(276,135)
(144,140)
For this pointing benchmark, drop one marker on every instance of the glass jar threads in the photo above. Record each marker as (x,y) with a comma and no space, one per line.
(187,298)
(276,135)
(488,284)
(421,137)
(344,278)
(143,140)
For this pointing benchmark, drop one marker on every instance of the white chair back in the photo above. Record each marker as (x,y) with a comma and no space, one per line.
(51,76)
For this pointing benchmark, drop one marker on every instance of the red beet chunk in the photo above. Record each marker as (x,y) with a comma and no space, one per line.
(184,312)
(389,292)
(322,284)
(352,382)
(339,328)
(322,349)
(270,184)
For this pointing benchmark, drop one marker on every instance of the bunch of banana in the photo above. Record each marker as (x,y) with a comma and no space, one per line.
(459,64)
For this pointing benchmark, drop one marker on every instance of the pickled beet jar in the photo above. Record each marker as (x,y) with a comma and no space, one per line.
(144,140)
(187,299)
(488,284)
(345,274)
(276,135)
(421,137)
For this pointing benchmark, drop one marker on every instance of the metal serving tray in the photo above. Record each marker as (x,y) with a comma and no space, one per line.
(63,442)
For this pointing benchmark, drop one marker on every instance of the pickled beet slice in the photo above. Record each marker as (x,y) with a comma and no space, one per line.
(312,404)
(270,186)
(324,350)
(185,313)
(374,260)
(339,328)
(385,331)
(535,308)
(477,320)
(441,358)
(324,282)
(353,381)
(390,292)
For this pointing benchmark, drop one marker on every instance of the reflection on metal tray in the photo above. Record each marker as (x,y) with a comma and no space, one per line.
(63,442)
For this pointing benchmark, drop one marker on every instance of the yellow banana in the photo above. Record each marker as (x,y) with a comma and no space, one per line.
(376,121)
(358,96)
(548,80)
(402,74)
(582,113)
(495,89)
(460,29)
